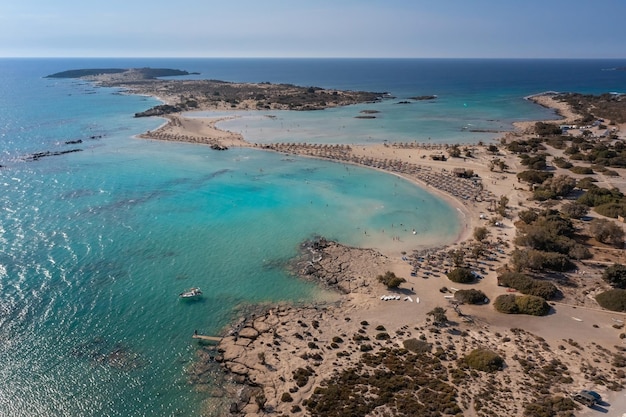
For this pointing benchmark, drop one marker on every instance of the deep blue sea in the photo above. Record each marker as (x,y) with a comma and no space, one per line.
(96,245)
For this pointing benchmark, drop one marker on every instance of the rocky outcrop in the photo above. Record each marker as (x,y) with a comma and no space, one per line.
(38,155)
(160,110)
(340,267)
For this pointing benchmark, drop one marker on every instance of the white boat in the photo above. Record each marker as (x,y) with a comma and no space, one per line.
(191,293)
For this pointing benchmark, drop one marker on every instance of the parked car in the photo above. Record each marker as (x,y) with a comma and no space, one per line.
(584,397)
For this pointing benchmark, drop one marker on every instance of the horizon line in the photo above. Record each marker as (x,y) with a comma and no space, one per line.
(307,57)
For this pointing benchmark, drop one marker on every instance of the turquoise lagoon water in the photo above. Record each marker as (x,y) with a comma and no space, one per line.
(95,245)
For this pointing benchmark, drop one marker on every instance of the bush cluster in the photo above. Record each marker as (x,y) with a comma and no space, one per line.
(615,275)
(483,360)
(390,280)
(547,129)
(549,407)
(561,162)
(404,384)
(461,275)
(527,285)
(577,169)
(610,203)
(526,145)
(533,176)
(607,231)
(524,304)
(417,346)
(537,162)
(549,241)
(614,300)
(470,296)
(554,187)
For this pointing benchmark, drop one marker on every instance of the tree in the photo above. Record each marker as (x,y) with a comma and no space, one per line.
(458,257)
(547,129)
(454,151)
(615,275)
(528,216)
(438,315)
(498,163)
(477,250)
(575,210)
(502,205)
(561,185)
(390,280)
(533,176)
(480,233)
(461,275)
(606,231)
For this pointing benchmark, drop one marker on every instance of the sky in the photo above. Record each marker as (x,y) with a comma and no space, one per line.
(315,28)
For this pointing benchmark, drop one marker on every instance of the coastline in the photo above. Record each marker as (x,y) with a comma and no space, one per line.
(252,356)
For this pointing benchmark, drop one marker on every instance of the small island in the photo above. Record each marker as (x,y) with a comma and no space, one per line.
(143,73)
(185,95)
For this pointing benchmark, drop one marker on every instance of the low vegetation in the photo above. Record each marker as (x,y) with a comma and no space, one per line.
(471,296)
(390,280)
(615,275)
(525,304)
(607,231)
(483,360)
(527,285)
(404,383)
(548,241)
(614,300)
(609,203)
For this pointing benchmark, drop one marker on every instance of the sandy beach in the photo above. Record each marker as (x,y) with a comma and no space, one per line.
(266,353)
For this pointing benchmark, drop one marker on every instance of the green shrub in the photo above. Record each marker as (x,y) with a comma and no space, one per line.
(390,280)
(461,275)
(528,216)
(483,360)
(532,305)
(470,296)
(581,170)
(549,407)
(562,163)
(539,260)
(525,304)
(534,177)
(612,209)
(547,129)
(614,300)
(286,397)
(615,275)
(417,346)
(528,285)
(575,210)
(505,303)
(586,183)
(596,196)
(537,162)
